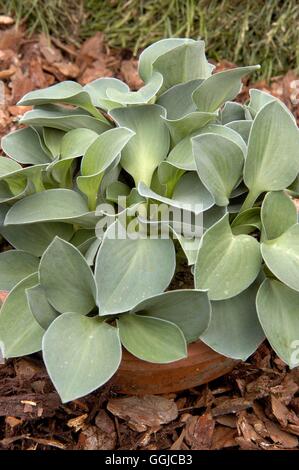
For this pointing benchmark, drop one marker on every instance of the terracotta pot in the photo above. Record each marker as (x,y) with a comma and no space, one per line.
(136,377)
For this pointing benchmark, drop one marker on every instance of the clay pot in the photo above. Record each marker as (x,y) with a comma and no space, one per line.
(136,377)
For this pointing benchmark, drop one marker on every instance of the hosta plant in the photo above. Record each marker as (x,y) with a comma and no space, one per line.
(91,255)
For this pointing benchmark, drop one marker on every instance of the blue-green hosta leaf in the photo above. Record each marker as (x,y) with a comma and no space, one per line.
(277,307)
(20,334)
(182,154)
(232,111)
(189,309)
(126,270)
(219,164)
(39,306)
(272,160)
(189,194)
(293,189)
(116,190)
(13,192)
(62,118)
(281,255)
(188,53)
(98,157)
(218,267)
(8,166)
(243,128)
(81,236)
(184,126)
(51,205)
(235,330)
(142,96)
(80,354)
(220,87)
(213,215)
(15,265)
(90,250)
(189,245)
(97,91)
(149,146)
(76,142)
(152,339)
(247,221)
(52,139)
(192,64)
(66,278)
(17,180)
(258,99)
(178,100)
(35,238)
(24,147)
(278,214)
(65,92)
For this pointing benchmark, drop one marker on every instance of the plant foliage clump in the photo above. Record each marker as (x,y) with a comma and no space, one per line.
(79,293)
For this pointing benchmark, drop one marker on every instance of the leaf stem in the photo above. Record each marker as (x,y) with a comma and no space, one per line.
(249,201)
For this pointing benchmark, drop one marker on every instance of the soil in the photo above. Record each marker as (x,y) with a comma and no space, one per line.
(256,406)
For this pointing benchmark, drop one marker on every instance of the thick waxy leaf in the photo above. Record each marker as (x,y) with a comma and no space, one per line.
(98,157)
(235,330)
(80,354)
(126,270)
(182,154)
(192,60)
(218,267)
(149,146)
(189,194)
(152,339)
(35,238)
(8,167)
(50,205)
(52,139)
(15,265)
(62,118)
(232,112)
(241,127)
(24,147)
(39,306)
(277,307)
(76,142)
(180,128)
(278,214)
(178,100)
(281,255)
(219,164)
(20,333)
(142,96)
(258,99)
(247,221)
(272,160)
(97,91)
(117,189)
(190,52)
(220,87)
(65,92)
(189,309)
(66,278)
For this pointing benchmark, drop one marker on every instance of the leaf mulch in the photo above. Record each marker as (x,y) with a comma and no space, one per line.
(255,407)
